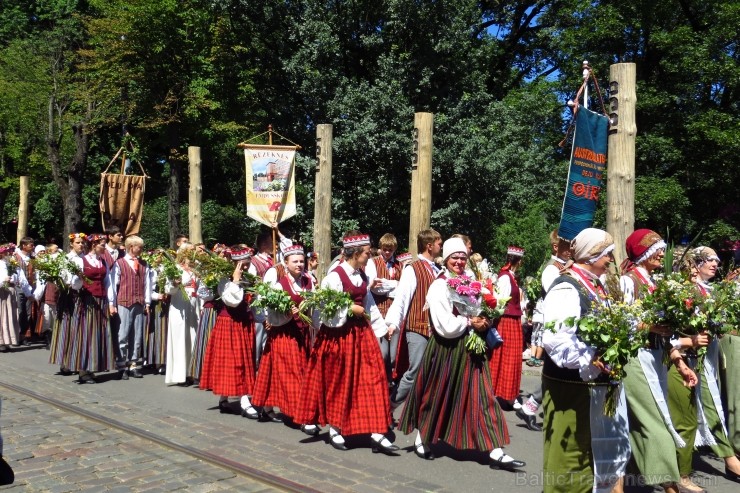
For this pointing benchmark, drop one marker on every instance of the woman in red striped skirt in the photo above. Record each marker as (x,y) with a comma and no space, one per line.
(452,398)
(228,367)
(506,360)
(285,356)
(345,384)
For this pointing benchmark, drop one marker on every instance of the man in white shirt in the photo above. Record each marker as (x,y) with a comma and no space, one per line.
(408,307)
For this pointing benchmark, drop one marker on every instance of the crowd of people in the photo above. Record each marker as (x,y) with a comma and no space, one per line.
(403,342)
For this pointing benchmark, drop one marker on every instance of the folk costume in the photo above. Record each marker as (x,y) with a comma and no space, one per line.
(228,367)
(90,347)
(652,434)
(9,326)
(407,314)
(261,263)
(730,378)
(130,293)
(452,398)
(390,273)
(345,384)
(285,357)
(26,309)
(63,325)
(183,321)
(155,338)
(206,322)
(584,450)
(506,360)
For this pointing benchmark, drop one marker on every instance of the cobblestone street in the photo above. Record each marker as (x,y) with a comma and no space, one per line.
(69,446)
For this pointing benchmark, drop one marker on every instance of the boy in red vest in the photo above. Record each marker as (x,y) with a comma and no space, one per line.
(130,294)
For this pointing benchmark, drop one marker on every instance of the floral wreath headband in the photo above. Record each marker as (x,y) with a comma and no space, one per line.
(77,235)
(6,249)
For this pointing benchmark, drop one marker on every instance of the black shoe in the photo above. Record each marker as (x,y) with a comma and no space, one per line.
(271,416)
(311,431)
(510,464)
(386,449)
(123,374)
(732,476)
(87,379)
(136,373)
(25,342)
(224,407)
(65,371)
(161,370)
(250,415)
(338,445)
(4,348)
(425,452)
(530,420)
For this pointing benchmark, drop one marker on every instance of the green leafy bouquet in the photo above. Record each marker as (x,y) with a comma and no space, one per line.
(210,268)
(328,301)
(277,300)
(611,329)
(54,268)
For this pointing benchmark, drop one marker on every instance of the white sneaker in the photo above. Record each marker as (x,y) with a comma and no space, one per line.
(526,355)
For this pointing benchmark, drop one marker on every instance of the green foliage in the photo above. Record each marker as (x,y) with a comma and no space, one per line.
(529,229)
(495,75)
(661,204)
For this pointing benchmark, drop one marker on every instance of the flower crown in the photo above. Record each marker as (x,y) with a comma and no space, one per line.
(72,236)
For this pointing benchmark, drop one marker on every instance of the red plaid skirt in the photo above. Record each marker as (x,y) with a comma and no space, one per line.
(345,384)
(506,360)
(228,368)
(282,367)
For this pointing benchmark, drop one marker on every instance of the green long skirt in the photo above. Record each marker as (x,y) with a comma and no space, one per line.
(650,439)
(568,461)
(730,376)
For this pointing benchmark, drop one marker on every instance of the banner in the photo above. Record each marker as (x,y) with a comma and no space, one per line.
(122,201)
(270,173)
(586,173)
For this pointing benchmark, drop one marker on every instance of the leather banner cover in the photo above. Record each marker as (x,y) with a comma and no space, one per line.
(122,201)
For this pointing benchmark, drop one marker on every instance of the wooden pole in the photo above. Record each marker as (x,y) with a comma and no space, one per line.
(620,176)
(195,195)
(322,207)
(421,178)
(23,209)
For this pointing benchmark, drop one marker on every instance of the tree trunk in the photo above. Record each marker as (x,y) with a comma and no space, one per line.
(173,196)
(73,202)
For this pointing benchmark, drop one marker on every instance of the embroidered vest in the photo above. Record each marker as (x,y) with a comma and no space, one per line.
(96,275)
(418,320)
(261,265)
(384,302)
(549,368)
(514,306)
(131,284)
(51,294)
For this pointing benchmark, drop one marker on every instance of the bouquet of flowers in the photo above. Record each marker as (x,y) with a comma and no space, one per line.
(482,270)
(471,299)
(164,263)
(675,303)
(327,300)
(13,265)
(722,308)
(54,268)
(611,328)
